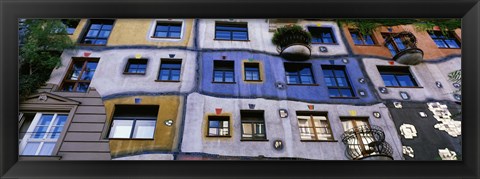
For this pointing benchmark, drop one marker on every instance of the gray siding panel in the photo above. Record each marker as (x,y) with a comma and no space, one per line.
(85,146)
(89,118)
(90,110)
(89,101)
(84,156)
(86,127)
(79,136)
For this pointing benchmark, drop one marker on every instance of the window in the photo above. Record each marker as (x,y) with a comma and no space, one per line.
(337,81)
(170,70)
(42,133)
(218,126)
(322,35)
(444,40)
(98,32)
(168,30)
(223,71)
(136,66)
(314,126)
(79,75)
(396,76)
(299,73)
(231,31)
(71,25)
(396,45)
(134,122)
(360,142)
(252,71)
(359,39)
(253,125)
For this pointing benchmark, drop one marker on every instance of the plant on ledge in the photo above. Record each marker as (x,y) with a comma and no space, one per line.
(290,35)
(367,26)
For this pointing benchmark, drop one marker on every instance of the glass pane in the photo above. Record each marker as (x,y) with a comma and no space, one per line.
(292,80)
(452,43)
(306,79)
(31,148)
(45,119)
(175,28)
(327,40)
(222,35)
(101,42)
(333,92)
(405,80)
(389,80)
(162,28)
(330,82)
(92,65)
(356,39)
(306,71)
(55,132)
(328,73)
(303,121)
(68,86)
(399,43)
(346,93)
(107,27)
(440,43)
(342,82)
(224,131)
(391,49)
(218,76)
(47,148)
(92,33)
(316,40)
(229,76)
(161,34)
(339,73)
(39,132)
(164,74)
(255,76)
(225,124)
(214,124)
(82,87)
(95,26)
(144,129)
(240,36)
(103,34)
(247,130)
(213,131)
(259,129)
(174,34)
(121,129)
(368,40)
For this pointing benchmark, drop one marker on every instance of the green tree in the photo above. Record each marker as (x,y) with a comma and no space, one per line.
(44,41)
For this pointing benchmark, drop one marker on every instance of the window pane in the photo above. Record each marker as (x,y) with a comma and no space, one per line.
(405,80)
(292,80)
(103,34)
(218,76)
(68,86)
(82,87)
(240,36)
(399,43)
(174,34)
(144,129)
(306,71)
(452,43)
(339,73)
(303,121)
(161,34)
(440,43)
(162,28)
(346,93)
(31,148)
(107,27)
(306,79)
(368,40)
(95,26)
(45,119)
(333,93)
(55,132)
(229,76)
(47,148)
(92,33)
(389,80)
(391,49)
(342,82)
(175,28)
(356,38)
(222,35)
(213,131)
(247,130)
(164,74)
(215,124)
(330,82)
(121,129)
(101,42)
(328,73)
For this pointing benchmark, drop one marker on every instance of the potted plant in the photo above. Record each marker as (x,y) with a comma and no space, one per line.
(293,42)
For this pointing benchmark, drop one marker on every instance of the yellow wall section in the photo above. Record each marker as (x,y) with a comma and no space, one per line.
(78,30)
(138,32)
(164,136)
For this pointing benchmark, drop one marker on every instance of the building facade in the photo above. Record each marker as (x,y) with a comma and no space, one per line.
(209,89)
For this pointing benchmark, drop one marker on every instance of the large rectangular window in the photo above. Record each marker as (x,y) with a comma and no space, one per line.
(396,76)
(444,40)
(218,126)
(299,73)
(314,126)
(223,71)
(134,122)
(168,30)
(170,70)
(252,71)
(42,133)
(136,66)
(231,31)
(395,45)
(79,75)
(98,32)
(322,35)
(359,39)
(337,81)
(253,125)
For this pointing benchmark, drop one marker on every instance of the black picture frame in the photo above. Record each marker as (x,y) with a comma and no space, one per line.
(11,11)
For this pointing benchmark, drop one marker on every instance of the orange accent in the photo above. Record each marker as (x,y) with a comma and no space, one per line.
(310,107)
(218,111)
(391,62)
(86,54)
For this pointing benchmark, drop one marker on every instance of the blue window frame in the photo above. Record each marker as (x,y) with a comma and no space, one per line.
(299,73)
(322,35)
(444,40)
(168,30)
(359,39)
(170,70)
(98,32)
(231,31)
(223,71)
(337,81)
(136,66)
(396,76)
(252,71)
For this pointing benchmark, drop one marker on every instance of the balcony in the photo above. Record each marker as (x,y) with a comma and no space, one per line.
(293,42)
(403,47)
(366,143)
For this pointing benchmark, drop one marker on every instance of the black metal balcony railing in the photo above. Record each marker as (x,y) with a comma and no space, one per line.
(366,141)
(403,47)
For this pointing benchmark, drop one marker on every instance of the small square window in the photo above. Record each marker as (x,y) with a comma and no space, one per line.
(98,32)
(134,122)
(168,30)
(253,125)
(447,40)
(218,126)
(223,71)
(79,75)
(359,39)
(252,71)
(170,70)
(322,35)
(231,31)
(396,76)
(299,73)
(136,66)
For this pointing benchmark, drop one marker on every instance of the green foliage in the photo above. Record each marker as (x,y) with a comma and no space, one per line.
(367,26)
(45,39)
(287,33)
(456,77)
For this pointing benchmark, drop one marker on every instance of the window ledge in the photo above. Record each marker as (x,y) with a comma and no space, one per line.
(253,81)
(448,48)
(231,40)
(131,139)
(318,140)
(127,73)
(167,81)
(254,140)
(92,45)
(165,37)
(345,97)
(317,43)
(38,157)
(403,87)
(223,82)
(303,84)
(221,136)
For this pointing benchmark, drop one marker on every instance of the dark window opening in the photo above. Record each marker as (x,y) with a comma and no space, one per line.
(359,39)
(168,30)
(444,40)
(253,125)
(223,71)
(218,126)
(136,66)
(337,81)
(299,73)
(323,35)
(170,70)
(314,126)
(98,32)
(79,75)
(396,76)
(252,71)
(231,31)
(134,122)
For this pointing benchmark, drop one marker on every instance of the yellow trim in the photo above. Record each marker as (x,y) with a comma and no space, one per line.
(78,30)
(205,126)
(164,137)
(260,69)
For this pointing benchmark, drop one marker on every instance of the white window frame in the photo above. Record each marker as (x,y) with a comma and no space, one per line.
(27,138)
(154,25)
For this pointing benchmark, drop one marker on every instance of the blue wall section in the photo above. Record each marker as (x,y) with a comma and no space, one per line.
(275,72)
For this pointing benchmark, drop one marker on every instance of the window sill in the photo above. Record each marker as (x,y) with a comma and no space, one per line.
(303,84)
(253,80)
(165,37)
(91,45)
(448,48)
(131,139)
(345,97)
(126,73)
(167,81)
(231,40)
(318,140)
(223,82)
(254,140)
(38,157)
(221,136)
(403,87)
